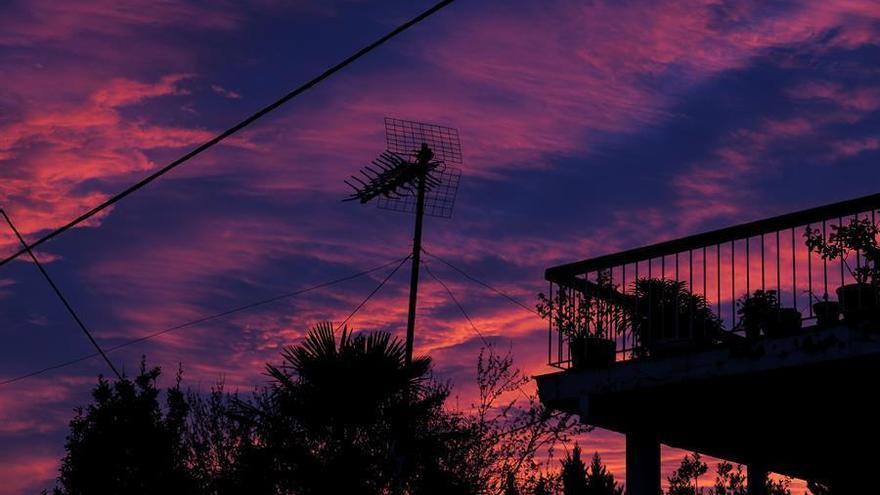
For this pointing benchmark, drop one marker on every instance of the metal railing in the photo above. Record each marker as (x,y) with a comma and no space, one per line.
(692,284)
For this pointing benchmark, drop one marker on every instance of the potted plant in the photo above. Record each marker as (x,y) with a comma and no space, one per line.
(668,317)
(859,301)
(760,312)
(754,311)
(827,312)
(586,321)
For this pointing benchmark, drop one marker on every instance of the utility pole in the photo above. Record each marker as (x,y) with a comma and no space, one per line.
(423,159)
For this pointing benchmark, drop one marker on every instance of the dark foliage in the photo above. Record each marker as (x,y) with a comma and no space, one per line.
(125,442)
(600,481)
(859,236)
(217,443)
(756,311)
(348,415)
(342,413)
(574,473)
(666,311)
(685,479)
(578,479)
(729,480)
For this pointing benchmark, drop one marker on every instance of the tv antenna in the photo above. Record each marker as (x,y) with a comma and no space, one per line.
(412,175)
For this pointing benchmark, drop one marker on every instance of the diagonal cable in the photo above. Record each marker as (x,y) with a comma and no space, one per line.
(201,320)
(460,307)
(234,129)
(468,318)
(480,282)
(58,293)
(373,293)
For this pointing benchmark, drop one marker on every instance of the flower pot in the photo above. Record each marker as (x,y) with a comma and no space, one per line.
(858,302)
(592,352)
(785,321)
(827,313)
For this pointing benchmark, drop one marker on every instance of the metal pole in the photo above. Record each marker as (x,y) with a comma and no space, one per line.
(424,158)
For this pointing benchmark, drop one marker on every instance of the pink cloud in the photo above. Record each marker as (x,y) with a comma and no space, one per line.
(51,151)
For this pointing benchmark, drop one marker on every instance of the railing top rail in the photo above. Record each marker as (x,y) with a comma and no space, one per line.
(563,273)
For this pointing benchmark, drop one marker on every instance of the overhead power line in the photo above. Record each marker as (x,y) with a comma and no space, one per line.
(232,130)
(205,319)
(58,293)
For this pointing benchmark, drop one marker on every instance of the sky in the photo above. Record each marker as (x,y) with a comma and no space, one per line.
(586,127)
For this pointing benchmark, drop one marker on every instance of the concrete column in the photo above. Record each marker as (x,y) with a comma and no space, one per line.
(642,463)
(757,479)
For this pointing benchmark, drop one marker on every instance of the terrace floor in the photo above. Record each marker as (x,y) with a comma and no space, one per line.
(799,406)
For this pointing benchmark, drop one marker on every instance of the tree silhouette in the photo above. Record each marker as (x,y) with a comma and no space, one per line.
(574,473)
(684,481)
(779,487)
(729,481)
(578,479)
(543,486)
(512,426)
(600,481)
(217,442)
(124,442)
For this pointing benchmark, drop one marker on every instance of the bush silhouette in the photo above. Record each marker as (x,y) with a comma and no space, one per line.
(124,442)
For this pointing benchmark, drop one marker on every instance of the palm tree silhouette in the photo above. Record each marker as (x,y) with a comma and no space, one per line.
(345,413)
(350,380)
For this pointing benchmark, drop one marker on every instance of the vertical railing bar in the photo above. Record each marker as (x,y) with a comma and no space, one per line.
(810,276)
(842,278)
(778,272)
(705,289)
(825,261)
(636,315)
(763,286)
(650,301)
(605,313)
(675,315)
(705,276)
(662,306)
(793,271)
(718,276)
(748,268)
(550,328)
(559,342)
(858,267)
(617,323)
(858,254)
(732,284)
(691,288)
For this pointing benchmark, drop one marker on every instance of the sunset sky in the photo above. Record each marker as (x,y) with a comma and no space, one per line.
(587,127)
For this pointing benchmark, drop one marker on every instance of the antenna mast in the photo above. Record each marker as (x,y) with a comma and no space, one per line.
(412,175)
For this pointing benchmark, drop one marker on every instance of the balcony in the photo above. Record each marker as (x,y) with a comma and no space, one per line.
(758,343)
(690,294)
